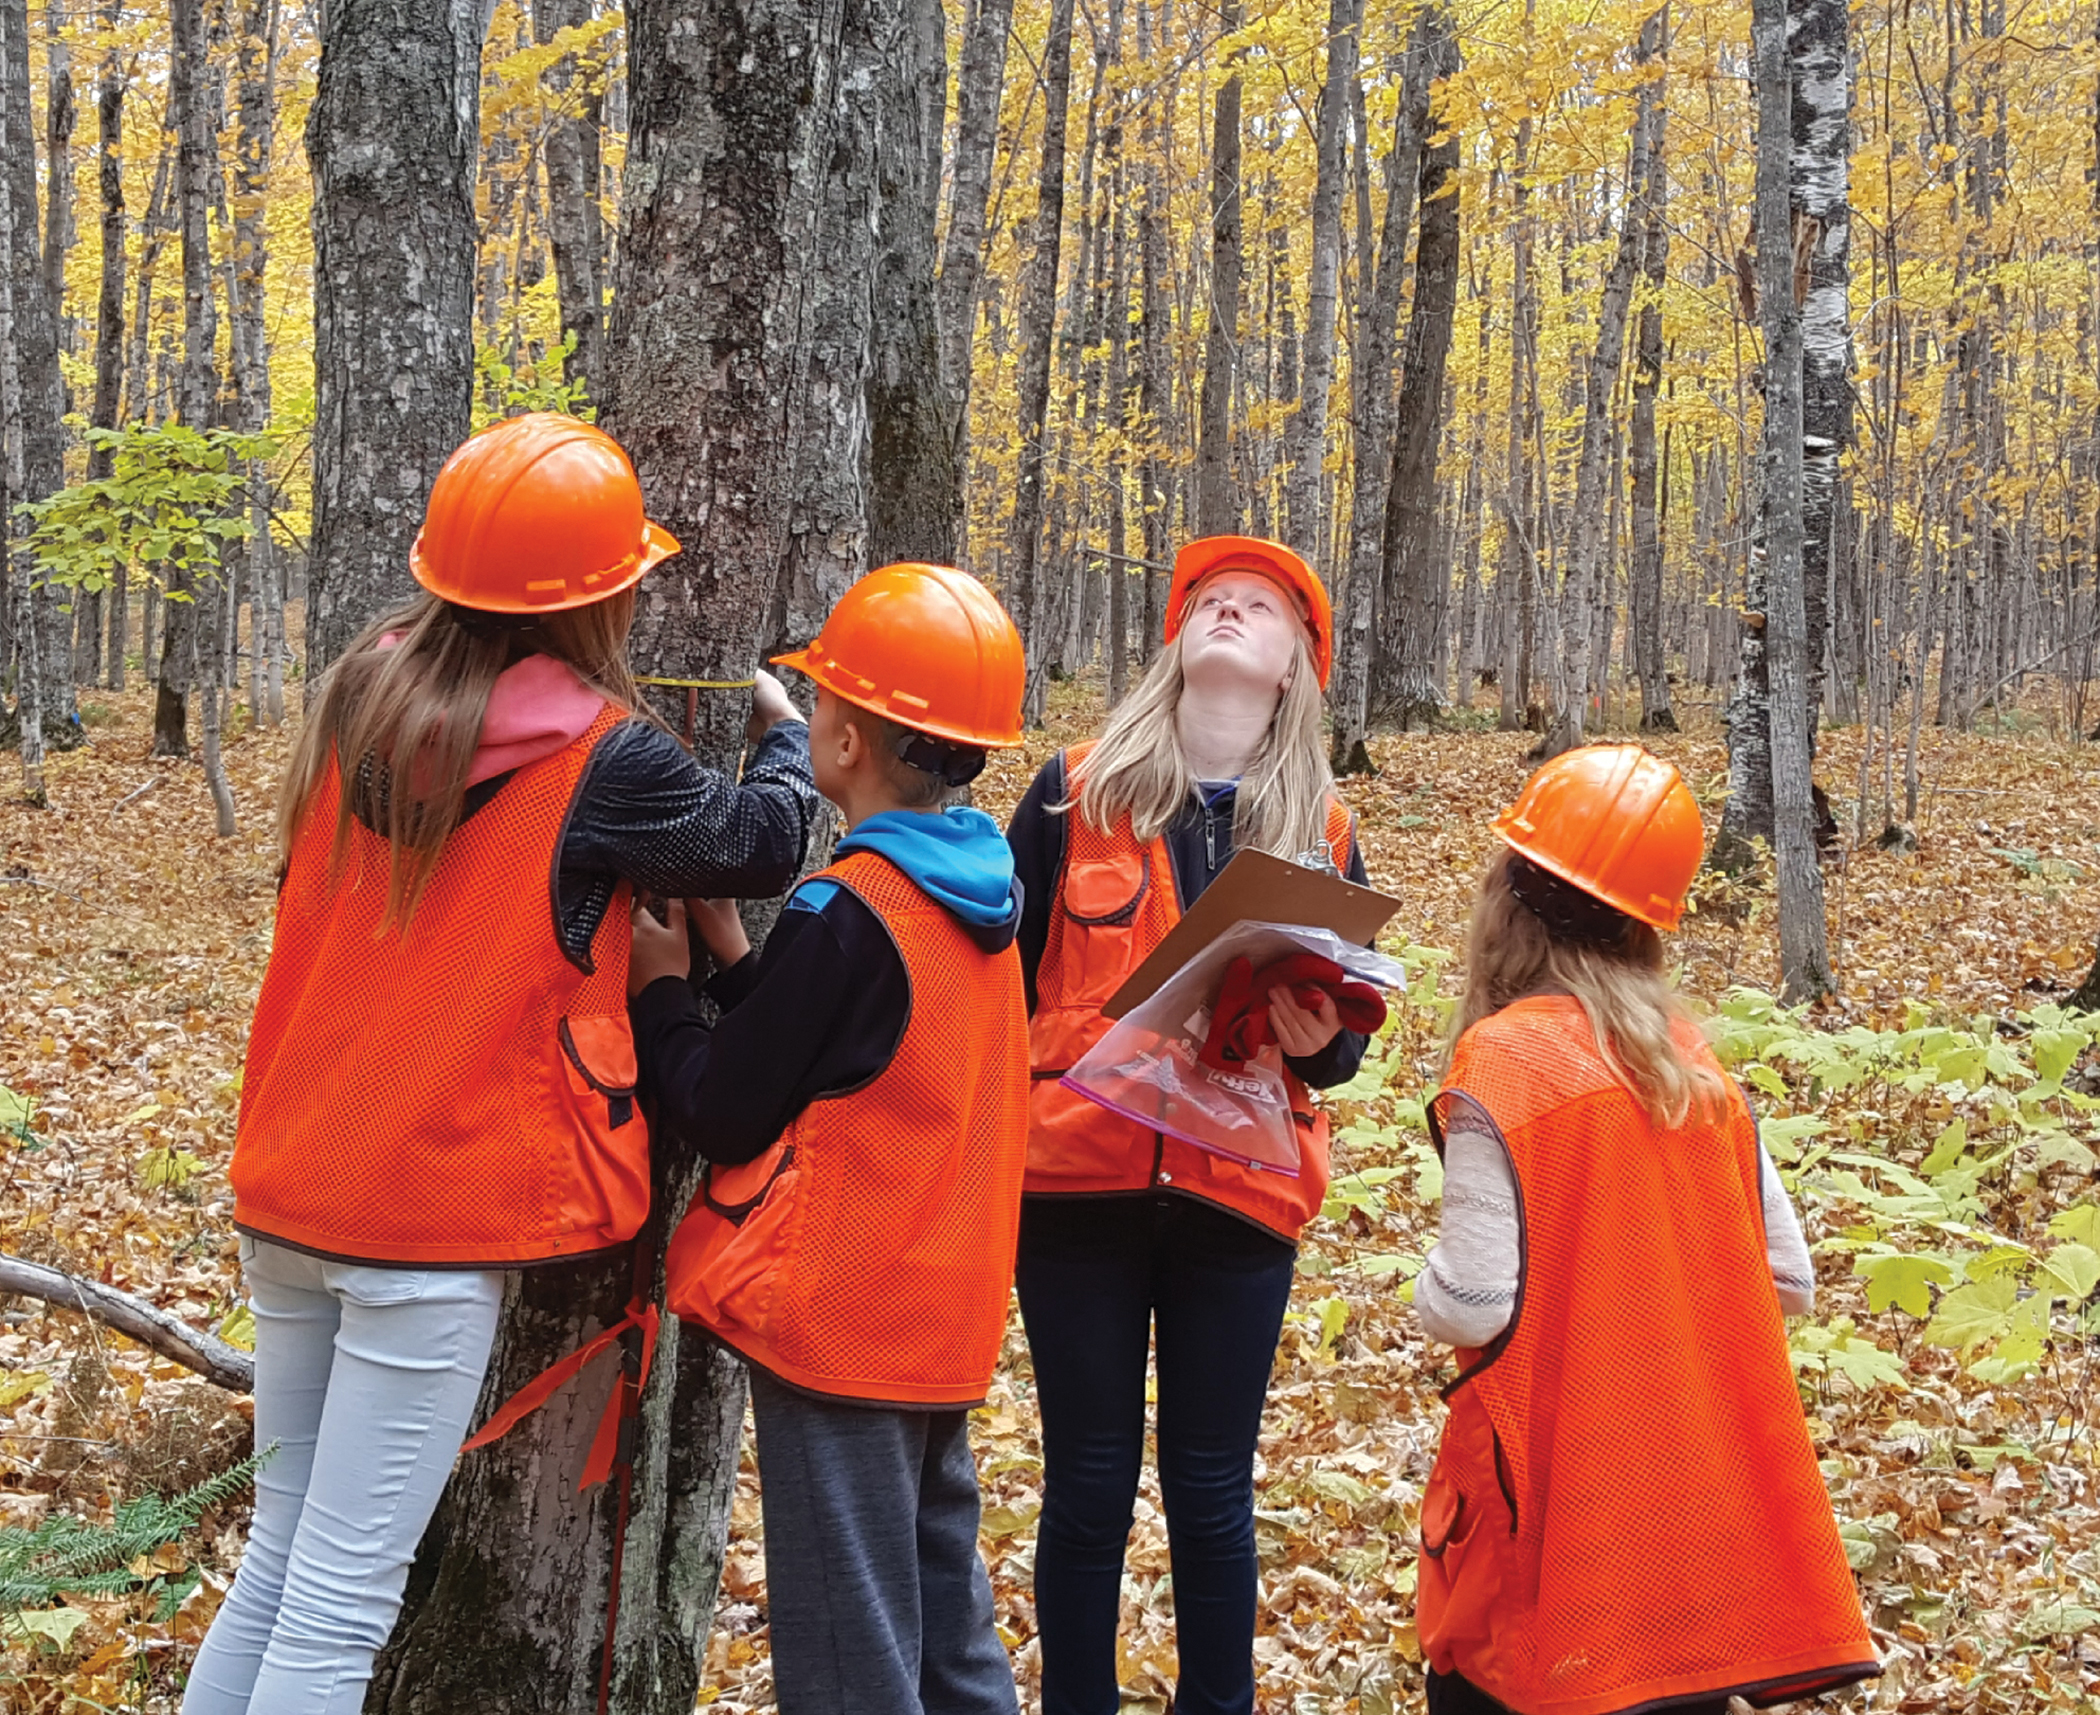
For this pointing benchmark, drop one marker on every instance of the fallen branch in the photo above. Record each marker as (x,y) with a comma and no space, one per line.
(211,1357)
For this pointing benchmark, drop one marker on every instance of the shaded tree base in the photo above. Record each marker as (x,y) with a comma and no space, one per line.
(1660,720)
(171,722)
(59,732)
(1351,758)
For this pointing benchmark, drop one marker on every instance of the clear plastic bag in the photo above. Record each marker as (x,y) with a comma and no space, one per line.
(1149,1066)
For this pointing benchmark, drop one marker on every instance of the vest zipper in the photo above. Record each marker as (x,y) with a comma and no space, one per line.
(1210,839)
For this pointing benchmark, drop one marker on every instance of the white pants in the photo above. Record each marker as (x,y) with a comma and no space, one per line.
(366,1379)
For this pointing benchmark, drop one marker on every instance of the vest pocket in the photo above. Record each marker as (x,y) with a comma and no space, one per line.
(1100,900)
(609,1171)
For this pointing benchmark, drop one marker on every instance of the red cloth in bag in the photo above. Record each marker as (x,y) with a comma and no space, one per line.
(1239,1022)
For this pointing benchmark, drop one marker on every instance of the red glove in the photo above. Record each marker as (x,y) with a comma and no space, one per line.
(1239,1023)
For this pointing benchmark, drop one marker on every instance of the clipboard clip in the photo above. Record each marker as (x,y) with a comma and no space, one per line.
(1320,859)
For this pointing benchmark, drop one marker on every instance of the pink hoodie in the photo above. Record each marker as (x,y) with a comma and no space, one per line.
(536,707)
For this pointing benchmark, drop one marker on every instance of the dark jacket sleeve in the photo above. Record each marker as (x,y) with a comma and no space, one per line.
(1337,1063)
(646,812)
(820,1012)
(1038,838)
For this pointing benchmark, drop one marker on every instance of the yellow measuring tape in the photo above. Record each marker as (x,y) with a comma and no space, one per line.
(698,684)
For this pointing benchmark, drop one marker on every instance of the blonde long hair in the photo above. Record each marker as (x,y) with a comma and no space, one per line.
(1137,765)
(425,697)
(1632,1007)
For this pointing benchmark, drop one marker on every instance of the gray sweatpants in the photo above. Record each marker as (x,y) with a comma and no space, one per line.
(878,1598)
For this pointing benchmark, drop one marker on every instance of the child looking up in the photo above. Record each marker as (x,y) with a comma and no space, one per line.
(862,1105)
(1626,1512)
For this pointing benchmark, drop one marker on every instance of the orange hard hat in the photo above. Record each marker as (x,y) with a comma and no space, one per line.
(1272,560)
(1615,821)
(535,514)
(927,647)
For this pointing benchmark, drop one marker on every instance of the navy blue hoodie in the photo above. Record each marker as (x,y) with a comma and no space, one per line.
(821,1010)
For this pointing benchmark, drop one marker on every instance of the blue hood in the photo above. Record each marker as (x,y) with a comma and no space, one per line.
(958,856)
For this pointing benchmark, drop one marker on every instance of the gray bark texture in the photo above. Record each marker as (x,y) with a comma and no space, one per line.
(1305,442)
(1371,397)
(392,139)
(1645,591)
(59,115)
(575,228)
(1414,556)
(915,472)
(1803,955)
(1582,593)
(37,457)
(1517,583)
(979,84)
(1038,311)
(1155,383)
(255,60)
(109,338)
(1217,508)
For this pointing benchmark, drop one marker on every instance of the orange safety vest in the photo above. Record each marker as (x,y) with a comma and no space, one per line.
(1116,900)
(868,1254)
(456,1092)
(1626,1509)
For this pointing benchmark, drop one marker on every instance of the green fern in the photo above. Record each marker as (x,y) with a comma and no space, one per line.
(67,1555)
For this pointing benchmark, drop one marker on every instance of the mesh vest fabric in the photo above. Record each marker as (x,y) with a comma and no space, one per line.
(869,1253)
(455,1092)
(1115,902)
(1626,1509)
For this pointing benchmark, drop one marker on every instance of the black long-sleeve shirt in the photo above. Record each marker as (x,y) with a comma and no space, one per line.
(1199,843)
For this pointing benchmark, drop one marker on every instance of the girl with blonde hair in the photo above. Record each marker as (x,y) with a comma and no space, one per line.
(1129,1235)
(1626,1512)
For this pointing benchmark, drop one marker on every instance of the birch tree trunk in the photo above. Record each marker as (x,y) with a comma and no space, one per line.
(1582,591)
(392,140)
(575,229)
(1821,177)
(1803,955)
(1038,313)
(1415,555)
(1217,499)
(1371,397)
(44,641)
(1645,585)
(1305,445)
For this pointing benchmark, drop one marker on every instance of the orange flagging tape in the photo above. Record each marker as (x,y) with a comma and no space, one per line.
(543,1387)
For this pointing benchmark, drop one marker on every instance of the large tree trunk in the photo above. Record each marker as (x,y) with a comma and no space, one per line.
(1217,494)
(575,229)
(915,472)
(392,139)
(1371,392)
(1415,556)
(1037,316)
(1582,592)
(39,393)
(1804,959)
(1645,585)
(762,189)
(1305,446)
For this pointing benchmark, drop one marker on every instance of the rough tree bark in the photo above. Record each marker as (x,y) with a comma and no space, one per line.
(1645,585)
(1803,956)
(1414,556)
(575,228)
(1371,392)
(742,401)
(915,470)
(39,388)
(255,61)
(392,140)
(1038,311)
(59,116)
(1582,590)
(1217,500)
(1305,444)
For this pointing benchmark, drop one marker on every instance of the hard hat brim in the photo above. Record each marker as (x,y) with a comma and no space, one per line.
(861,695)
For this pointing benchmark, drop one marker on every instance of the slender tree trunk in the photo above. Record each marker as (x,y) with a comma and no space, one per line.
(575,229)
(1371,393)
(1217,496)
(1037,315)
(1414,558)
(44,641)
(59,116)
(1818,49)
(391,138)
(1804,959)
(1645,585)
(1155,378)
(1305,445)
(255,95)
(1520,563)
(111,86)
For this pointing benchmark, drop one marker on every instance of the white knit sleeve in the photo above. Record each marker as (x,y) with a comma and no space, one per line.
(1786,1250)
(1467,1291)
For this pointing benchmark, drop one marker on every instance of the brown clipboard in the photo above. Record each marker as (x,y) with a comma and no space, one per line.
(1258,887)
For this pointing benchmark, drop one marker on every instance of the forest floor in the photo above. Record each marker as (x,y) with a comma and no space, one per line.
(1936,1117)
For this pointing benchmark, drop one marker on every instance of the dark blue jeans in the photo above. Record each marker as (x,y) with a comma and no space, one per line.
(1100,1278)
